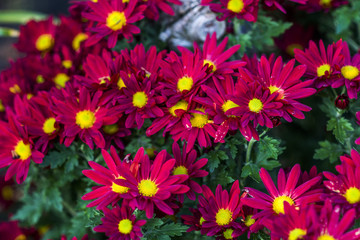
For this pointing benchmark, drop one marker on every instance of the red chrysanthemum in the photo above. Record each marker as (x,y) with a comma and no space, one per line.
(37,36)
(84,117)
(17,149)
(153,6)
(120,224)
(276,3)
(241,9)
(113,18)
(195,220)
(153,184)
(114,133)
(321,63)
(286,192)
(220,210)
(185,164)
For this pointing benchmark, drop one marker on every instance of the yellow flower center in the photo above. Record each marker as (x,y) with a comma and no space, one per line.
(7,193)
(111,129)
(296,234)
(181,105)
(202,220)
(67,64)
(15,89)
(185,83)
(116,20)
(235,6)
(255,105)
(2,107)
(119,189)
(85,119)
(44,42)
(223,217)
(210,64)
(249,220)
(140,99)
(321,70)
(147,188)
(40,79)
(228,233)
(121,84)
(180,170)
(20,237)
(278,204)
(23,150)
(125,226)
(49,126)
(273,89)
(199,120)
(229,105)
(290,48)
(125,1)
(78,39)
(352,195)
(61,79)
(349,72)
(326,237)
(325,3)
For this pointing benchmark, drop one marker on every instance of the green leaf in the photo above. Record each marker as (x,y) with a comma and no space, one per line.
(223,178)
(214,157)
(20,16)
(233,145)
(268,148)
(328,150)
(340,128)
(172,229)
(251,170)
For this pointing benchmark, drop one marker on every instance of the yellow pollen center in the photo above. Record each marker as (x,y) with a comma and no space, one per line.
(278,204)
(223,217)
(49,126)
(290,48)
(202,220)
(61,79)
(147,188)
(180,170)
(44,42)
(181,105)
(229,105)
(349,72)
(321,70)
(20,237)
(228,233)
(111,129)
(352,195)
(7,193)
(119,189)
(140,99)
(125,226)
(78,39)
(185,83)
(199,120)
(210,64)
(325,3)
(235,6)
(2,107)
(255,105)
(125,1)
(85,119)
(326,237)
(273,89)
(67,64)
(249,220)
(40,79)
(297,234)
(23,150)
(15,89)
(116,20)
(121,84)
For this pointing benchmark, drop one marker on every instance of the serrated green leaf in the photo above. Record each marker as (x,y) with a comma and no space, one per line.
(268,148)
(172,229)
(328,150)
(251,170)
(340,128)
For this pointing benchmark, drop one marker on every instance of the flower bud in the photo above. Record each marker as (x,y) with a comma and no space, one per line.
(342,101)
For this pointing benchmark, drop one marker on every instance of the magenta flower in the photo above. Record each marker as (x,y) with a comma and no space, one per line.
(153,6)
(286,192)
(120,224)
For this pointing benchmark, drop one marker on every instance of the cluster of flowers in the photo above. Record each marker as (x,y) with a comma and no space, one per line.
(158,186)
(67,88)
(248,9)
(301,207)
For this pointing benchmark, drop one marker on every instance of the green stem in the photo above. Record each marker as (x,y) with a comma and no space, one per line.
(334,92)
(67,206)
(249,148)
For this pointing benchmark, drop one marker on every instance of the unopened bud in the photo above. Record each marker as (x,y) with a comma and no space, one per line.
(342,101)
